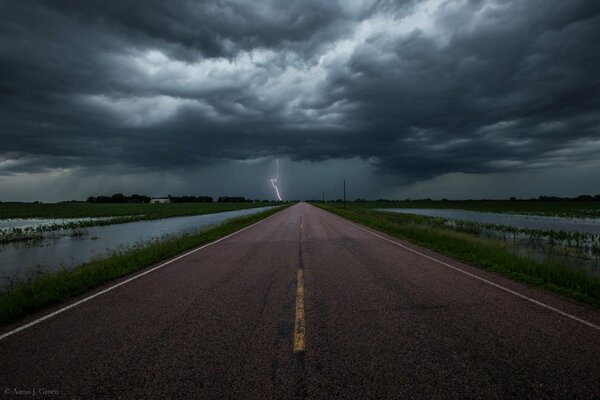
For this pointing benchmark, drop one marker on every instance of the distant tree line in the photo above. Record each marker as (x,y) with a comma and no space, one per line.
(190,199)
(234,199)
(583,197)
(138,198)
(119,198)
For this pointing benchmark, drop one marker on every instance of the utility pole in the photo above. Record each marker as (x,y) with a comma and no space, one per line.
(323,196)
(344,192)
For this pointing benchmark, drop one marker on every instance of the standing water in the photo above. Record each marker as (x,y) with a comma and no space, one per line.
(75,247)
(557,224)
(571,242)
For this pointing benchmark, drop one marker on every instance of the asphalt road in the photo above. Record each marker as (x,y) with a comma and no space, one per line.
(379,320)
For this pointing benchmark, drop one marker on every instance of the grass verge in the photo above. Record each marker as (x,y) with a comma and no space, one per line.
(487,254)
(58,286)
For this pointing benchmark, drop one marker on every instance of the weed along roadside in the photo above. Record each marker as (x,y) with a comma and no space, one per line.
(54,287)
(487,254)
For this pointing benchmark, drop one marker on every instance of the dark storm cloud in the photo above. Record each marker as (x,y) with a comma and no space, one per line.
(418,89)
(501,96)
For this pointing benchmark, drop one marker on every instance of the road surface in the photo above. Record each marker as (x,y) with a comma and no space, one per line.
(377,320)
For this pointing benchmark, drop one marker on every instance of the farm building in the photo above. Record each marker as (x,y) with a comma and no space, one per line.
(160,200)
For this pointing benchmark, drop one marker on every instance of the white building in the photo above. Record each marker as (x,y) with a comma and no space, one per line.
(160,200)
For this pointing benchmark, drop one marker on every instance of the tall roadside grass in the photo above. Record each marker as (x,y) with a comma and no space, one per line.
(54,287)
(488,254)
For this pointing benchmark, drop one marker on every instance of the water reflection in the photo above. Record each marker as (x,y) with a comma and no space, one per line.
(7,224)
(573,243)
(585,225)
(68,248)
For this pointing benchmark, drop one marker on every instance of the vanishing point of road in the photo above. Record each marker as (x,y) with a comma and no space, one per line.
(307,305)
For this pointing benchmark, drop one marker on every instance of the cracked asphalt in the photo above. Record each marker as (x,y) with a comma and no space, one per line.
(380,322)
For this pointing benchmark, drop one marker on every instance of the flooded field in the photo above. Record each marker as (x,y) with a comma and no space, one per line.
(7,224)
(573,242)
(27,221)
(72,247)
(557,224)
(12,230)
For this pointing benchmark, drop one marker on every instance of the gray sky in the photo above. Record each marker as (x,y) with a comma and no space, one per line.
(436,98)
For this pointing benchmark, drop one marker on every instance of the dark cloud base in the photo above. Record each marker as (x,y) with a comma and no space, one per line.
(476,87)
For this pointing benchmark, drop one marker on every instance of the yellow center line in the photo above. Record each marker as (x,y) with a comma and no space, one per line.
(300,325)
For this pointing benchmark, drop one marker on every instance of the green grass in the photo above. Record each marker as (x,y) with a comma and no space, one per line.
(51,288)
(570,209)
(487,254)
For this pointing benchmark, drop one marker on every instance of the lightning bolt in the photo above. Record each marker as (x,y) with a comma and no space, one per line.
(274,181)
